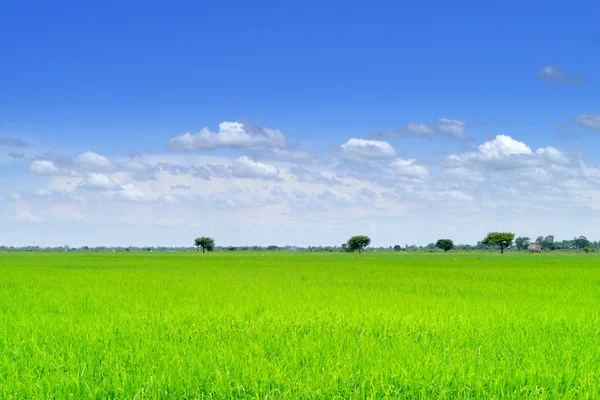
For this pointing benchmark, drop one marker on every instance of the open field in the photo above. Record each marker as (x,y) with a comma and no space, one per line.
(278,325)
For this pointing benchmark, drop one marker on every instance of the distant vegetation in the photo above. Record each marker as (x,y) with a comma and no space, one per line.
(445,244)
(548,243)
(206,243)
(358,243)
(500,239)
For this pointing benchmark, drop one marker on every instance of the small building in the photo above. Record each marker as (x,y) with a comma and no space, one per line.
(535,248)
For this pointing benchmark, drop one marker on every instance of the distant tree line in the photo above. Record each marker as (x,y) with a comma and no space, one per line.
(356,243)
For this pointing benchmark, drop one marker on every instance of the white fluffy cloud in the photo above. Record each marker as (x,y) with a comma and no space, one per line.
(452,127)
(366,150)
(245,167)
(44,167)
(589,121)
(132,193)
(420,129)
(504,152)
(409,169)
(101,182)
(94,162)
(231,134)
(553,155)
(501,152)
(444,126)
(554,74)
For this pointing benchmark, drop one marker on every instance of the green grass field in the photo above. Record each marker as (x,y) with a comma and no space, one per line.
(278,325)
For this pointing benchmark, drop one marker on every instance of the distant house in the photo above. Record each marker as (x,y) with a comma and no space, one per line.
(535,248)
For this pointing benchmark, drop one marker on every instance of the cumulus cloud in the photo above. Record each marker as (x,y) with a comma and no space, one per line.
(409,169)
(501,152)
(554,74)
(132,193)
(504,152)
(553,155)
(13,142)
(443,126)
(365,150)
(180,187)
(455,196)
(341,199)
(44,167)
(589,121)
(464,174)
(589,172)
(241,134)
(368,193)
(140,170)
(289,155)
(306,176)
(94,162)
(98,182)
(451,127)
(245,167)
(420,129)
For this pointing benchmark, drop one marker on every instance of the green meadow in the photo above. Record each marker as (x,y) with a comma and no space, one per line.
(283,325)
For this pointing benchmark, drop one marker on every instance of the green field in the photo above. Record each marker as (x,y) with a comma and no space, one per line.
(279,325)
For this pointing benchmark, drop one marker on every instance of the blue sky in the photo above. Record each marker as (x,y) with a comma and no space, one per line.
(88,90)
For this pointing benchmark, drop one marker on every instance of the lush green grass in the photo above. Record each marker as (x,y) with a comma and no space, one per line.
(252,325)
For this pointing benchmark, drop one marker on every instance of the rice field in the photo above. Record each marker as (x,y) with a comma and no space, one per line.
(283,325)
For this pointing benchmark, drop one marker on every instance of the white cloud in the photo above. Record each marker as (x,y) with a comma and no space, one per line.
(589,121)
(306,176)
(15,196)
(443,126)
(290,155)
(409,169)
(501,147)
(366,150)
(555,74)
(553,155)
(244,167)
(464,174)
(456,196)
(341,199)
(503,152)
(100,182)
(140,170)
(44,167)
(94,162)
(452,127)
(231,134)
(132,193)
(420,129)
(589,172)
(13,142)
(368,193)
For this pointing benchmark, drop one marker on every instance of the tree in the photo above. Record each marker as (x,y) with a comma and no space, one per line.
(522,243)
(445,244)
(548,243)
(207,244)
(502,239)
(581,242)
(397,248)
(358,243)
